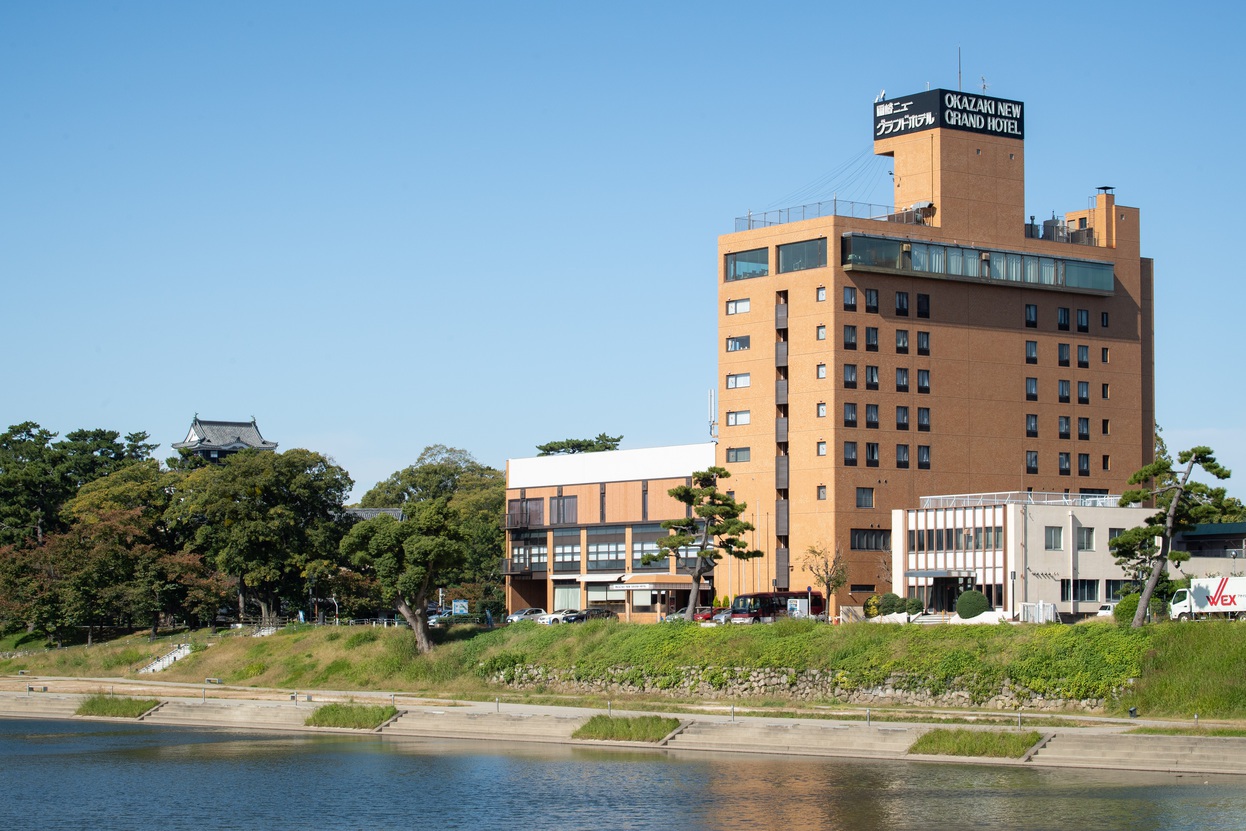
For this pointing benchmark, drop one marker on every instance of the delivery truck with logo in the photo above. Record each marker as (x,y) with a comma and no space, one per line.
(1209,597)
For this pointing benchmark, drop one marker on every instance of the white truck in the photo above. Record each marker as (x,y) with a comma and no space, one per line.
(1209,597)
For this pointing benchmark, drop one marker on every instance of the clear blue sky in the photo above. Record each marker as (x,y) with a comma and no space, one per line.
(376,226)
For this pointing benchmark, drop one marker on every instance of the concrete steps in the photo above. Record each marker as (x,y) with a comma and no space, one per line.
(272,715)
(38,704)
(438,723)
(1190,754)
(884,742)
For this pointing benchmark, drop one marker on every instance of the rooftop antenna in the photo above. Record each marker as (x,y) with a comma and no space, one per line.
(982,78)
(882,96)
(959,88)
(713,421)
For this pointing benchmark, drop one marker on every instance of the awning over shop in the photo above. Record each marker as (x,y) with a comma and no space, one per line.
(604,577)
(656,582)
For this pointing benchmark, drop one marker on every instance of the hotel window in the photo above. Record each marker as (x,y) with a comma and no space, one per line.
(1064,427)
(850,414)
(1031,316)
(1081,591)
(871,301)
(850,453)
(871,338)
(1063,391)
(923,305)
(738,381)
(871,377)
(1085,539)
(1053,538)
(820,294)
(902,341)
(871,454)
(902,379)
(865,497)
(902,456)
(850,375)
(1083,429)
(738,307)
(738,454)
(1083,392)
(850,299)
(1083,464)
(563,510)
(1031,351)
(850,337)
(1062,354)
(1107,425)
(1083,356)
(1105,392)
(821,370)
(821,409)
(1083,320)
(1065,462)
(923,381)
(1031,425)
(923,457)
(821,448)
(738,344)
(902,418)
(923,343)
(1031,461)
(735,418)
(868,539)
(1103,356)
(1062,319)
(923,419)
(747,264)
(1107,462)
(1112,589)
(902,303)
(821,332)
(1031,389)
(801,256)
(821,491)
(871,416)
(1103,319)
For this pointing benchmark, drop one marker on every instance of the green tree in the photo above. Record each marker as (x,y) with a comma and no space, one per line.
(829,570)
(271,521)
(1180,503)
(407,558)
(569,446)
(714,528)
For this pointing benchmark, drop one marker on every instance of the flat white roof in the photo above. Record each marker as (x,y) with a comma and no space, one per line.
(610,466)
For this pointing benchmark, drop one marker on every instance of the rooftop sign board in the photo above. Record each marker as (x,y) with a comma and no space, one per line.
(952,110)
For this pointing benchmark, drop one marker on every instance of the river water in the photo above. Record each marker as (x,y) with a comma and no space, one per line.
(95,775)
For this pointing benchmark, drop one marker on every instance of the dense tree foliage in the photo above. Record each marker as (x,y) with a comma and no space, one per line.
(568,446)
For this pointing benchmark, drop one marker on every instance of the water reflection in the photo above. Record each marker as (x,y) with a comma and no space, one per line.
(78,775)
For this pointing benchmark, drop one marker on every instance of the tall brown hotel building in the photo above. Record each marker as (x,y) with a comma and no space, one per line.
(949,345)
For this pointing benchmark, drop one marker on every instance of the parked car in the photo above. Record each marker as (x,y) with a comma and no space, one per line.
(707,613)
(1106,610)
(723,616)
(590,614)
(679,614)
(524,614)
(556,616)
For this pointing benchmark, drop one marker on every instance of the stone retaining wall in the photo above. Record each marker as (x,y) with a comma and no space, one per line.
(807,685)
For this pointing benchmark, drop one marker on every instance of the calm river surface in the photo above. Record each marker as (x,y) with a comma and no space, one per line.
(91,775)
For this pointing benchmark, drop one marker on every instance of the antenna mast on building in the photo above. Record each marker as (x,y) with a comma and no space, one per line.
(713,420)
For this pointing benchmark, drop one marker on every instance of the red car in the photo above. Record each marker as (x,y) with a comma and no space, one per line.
(706,613)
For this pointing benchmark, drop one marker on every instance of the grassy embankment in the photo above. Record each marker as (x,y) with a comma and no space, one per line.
(963,742)
(624,729)
(115,706)
(1179,670)
(352,716)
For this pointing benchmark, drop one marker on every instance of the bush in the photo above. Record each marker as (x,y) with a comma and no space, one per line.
(890,604)
(971,604)
(871,605)
(914,606)
(1126,609)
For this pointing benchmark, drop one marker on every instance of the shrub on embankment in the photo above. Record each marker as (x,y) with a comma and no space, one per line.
(1178,667)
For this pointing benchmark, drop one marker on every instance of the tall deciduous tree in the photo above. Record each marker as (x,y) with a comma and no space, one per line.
(829,569)
(569,446)
(1181,502)
(714,529)
(268,520)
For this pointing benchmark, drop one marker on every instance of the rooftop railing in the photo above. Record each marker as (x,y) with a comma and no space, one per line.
(835,207)
(973,500)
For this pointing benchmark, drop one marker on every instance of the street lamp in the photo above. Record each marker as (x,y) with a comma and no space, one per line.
(334,599)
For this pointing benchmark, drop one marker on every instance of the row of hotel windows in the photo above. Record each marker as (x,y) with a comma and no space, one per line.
(737,418)
(871,378)
(1062,318)
(1064,426)
(1063,351)
(1063,389)
(925,258)
(744,454)
(607,547)
(1064,462)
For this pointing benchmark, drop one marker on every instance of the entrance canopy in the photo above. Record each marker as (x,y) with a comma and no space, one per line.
(657,582)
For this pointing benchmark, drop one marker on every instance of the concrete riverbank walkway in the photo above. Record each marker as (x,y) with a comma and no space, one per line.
(1105,744)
